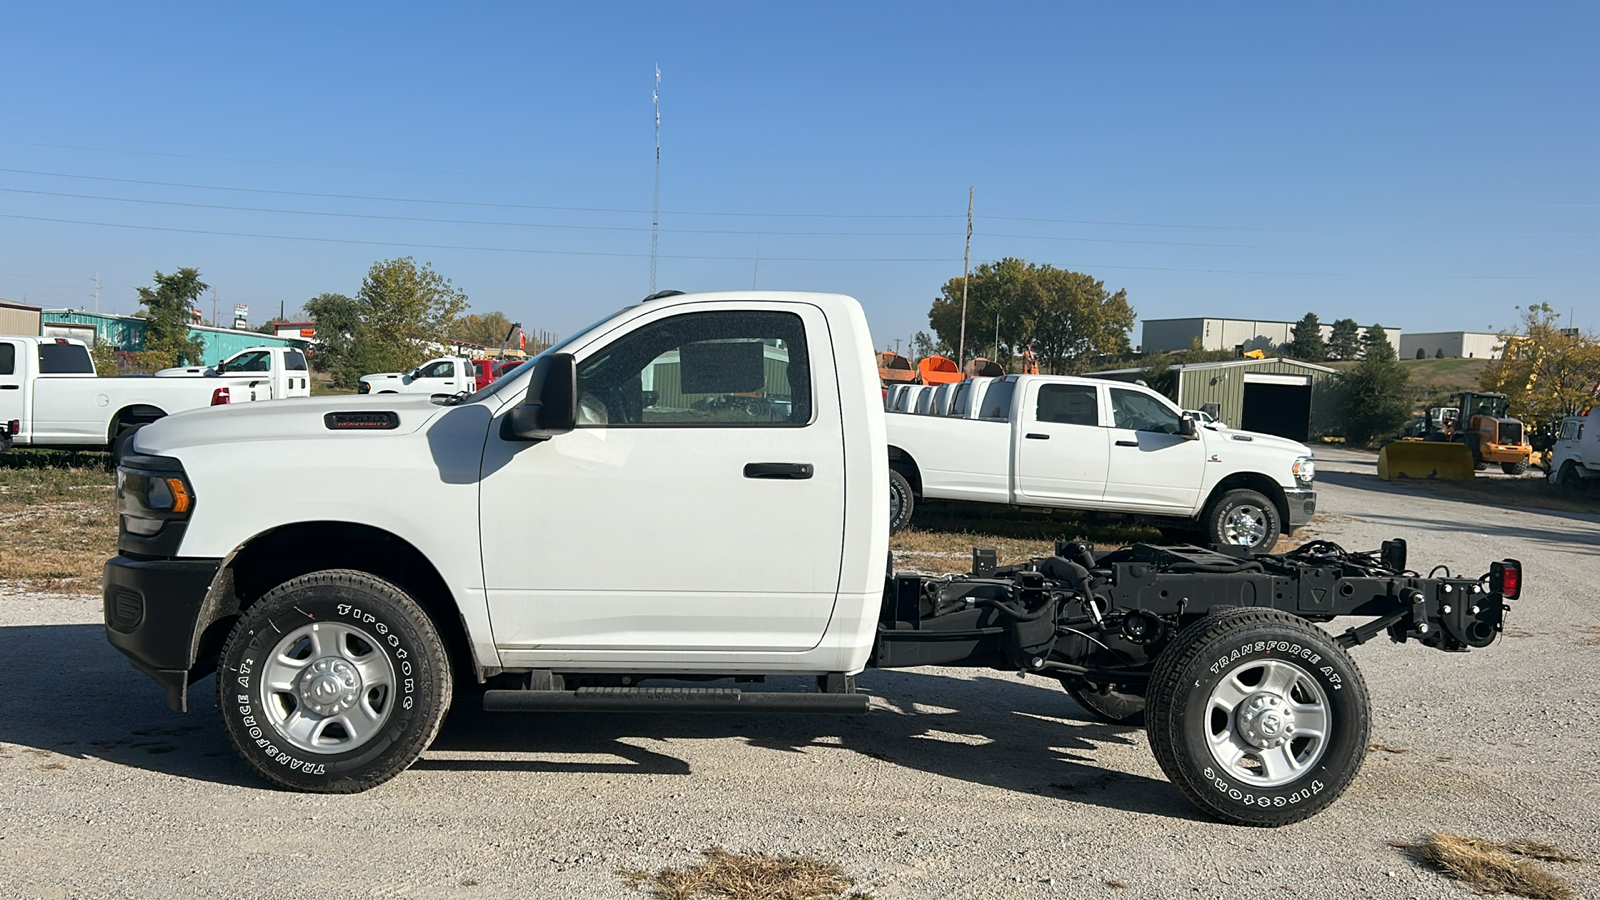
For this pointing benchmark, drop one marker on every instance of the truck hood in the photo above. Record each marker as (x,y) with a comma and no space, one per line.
(381,375)
(297,418)
(1225,437)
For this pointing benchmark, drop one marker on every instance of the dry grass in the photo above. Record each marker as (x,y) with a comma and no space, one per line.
(747,876)
(944,533)
(58,522)
(1494,868)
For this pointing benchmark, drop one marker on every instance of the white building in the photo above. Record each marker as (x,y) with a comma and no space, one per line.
(1162,335)
(1454,344)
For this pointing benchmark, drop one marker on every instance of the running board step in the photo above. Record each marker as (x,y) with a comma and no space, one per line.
(674,700)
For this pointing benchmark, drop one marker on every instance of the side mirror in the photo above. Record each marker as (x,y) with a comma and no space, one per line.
(650,398)
(222,368)
(551,406)
(1186,428)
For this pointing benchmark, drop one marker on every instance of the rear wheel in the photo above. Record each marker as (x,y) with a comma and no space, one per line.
(1243,518)
(1520,467)
(1105,702)
(901,501)
(1258,717)
(1569,481)
(334,682)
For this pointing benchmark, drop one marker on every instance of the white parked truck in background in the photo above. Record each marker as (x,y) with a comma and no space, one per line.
(681,537)
(1058,442)
(51,397)
(1575,456)
(445,375)
(259,373)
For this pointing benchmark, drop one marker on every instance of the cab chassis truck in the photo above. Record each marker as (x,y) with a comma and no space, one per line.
(341,618)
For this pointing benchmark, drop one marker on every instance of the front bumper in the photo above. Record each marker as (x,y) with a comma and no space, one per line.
(153,611)
(1302,506)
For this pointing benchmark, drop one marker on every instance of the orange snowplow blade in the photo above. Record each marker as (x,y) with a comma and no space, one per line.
(1425,459)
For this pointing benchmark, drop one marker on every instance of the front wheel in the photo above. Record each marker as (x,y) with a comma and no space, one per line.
(334,682)
(1258,717)
(901,501)
(1243,518)
(1569,481)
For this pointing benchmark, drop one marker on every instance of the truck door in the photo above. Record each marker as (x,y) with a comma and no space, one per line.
(1061,449)
(438,377)
(699,504)
(13,390)
(1152,465)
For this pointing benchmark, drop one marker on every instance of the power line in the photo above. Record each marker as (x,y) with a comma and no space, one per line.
(325,240)
(1147,224)
(479,203)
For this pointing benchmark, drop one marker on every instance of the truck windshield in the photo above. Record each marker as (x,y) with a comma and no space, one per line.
(502,384)
(65,359)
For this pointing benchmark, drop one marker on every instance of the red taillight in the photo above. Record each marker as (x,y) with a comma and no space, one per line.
(1505,578)
(14,426)
(220,397)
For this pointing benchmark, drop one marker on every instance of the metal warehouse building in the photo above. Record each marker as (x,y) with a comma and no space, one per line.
(1285,397)
(18,318)
(127,333)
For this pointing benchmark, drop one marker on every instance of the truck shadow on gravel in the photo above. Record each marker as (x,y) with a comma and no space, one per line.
(70,696)
(67,692)
(1022,736)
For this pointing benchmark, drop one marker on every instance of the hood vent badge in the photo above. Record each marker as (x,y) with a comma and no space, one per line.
(362,421)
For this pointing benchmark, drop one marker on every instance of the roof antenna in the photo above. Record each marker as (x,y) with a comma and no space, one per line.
(655,210)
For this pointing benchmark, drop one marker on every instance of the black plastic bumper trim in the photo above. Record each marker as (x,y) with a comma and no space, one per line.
(152,611)
(1302,506)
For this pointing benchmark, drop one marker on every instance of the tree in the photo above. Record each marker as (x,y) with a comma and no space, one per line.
(488,329)
(402,308)
(1345,341)
(923,345)
(339,325)
(1376,401)
(169,309)
(1439,353)
(1421,353)
(1375,344)
(1069,317)
(1544,370)
(1306,342)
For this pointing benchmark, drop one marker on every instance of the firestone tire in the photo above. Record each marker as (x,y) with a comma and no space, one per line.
(1243,518)
(1110,705)
(334,682)
(1258,717)
(901,502)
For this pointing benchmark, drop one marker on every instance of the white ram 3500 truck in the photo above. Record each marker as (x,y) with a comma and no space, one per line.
(51,397)
(682,537)
(1058,442)
(445,375)
(259,373)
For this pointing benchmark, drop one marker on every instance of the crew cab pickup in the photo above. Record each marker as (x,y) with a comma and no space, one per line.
(1058,442)
(259,373)
(51,397)
(694,534)
(445,375)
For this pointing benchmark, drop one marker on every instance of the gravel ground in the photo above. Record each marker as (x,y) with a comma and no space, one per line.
(963,785)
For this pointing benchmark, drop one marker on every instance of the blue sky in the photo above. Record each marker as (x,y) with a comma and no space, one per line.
(1426,165)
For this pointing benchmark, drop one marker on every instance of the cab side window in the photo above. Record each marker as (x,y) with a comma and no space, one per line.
(721,369)
(1142,412)
(1068,404)
(444,368)
(8,358)
(997,400)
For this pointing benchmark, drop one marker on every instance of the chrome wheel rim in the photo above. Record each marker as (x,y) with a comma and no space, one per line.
(1245,525)
(1268,723)
(327,688)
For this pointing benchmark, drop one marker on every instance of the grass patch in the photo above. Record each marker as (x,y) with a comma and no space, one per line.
(58,522)
(1495,868)
(747,876)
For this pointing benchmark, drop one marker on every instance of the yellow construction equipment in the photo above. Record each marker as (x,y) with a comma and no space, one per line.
(1425,459)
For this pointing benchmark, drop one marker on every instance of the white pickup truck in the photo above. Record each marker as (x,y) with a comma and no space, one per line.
(1575,457)
(1058,442)
(51,397)
(445,375)
(259,373)
(685,534)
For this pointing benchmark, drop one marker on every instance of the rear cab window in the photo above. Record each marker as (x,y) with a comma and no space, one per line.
(8,358)
(64,359)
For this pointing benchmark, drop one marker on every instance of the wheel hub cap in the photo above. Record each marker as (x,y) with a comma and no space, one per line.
(1246,526)
(329,685)
(1266,721)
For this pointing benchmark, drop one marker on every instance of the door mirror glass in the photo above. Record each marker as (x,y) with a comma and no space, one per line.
(551,406)
(1186,427)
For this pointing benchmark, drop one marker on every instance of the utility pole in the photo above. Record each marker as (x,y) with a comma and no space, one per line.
(966,266)
(213,307)
(655,208)
(97,290)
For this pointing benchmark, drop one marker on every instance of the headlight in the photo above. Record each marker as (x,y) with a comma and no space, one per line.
(364,388)
(1305,469)
(148,500)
